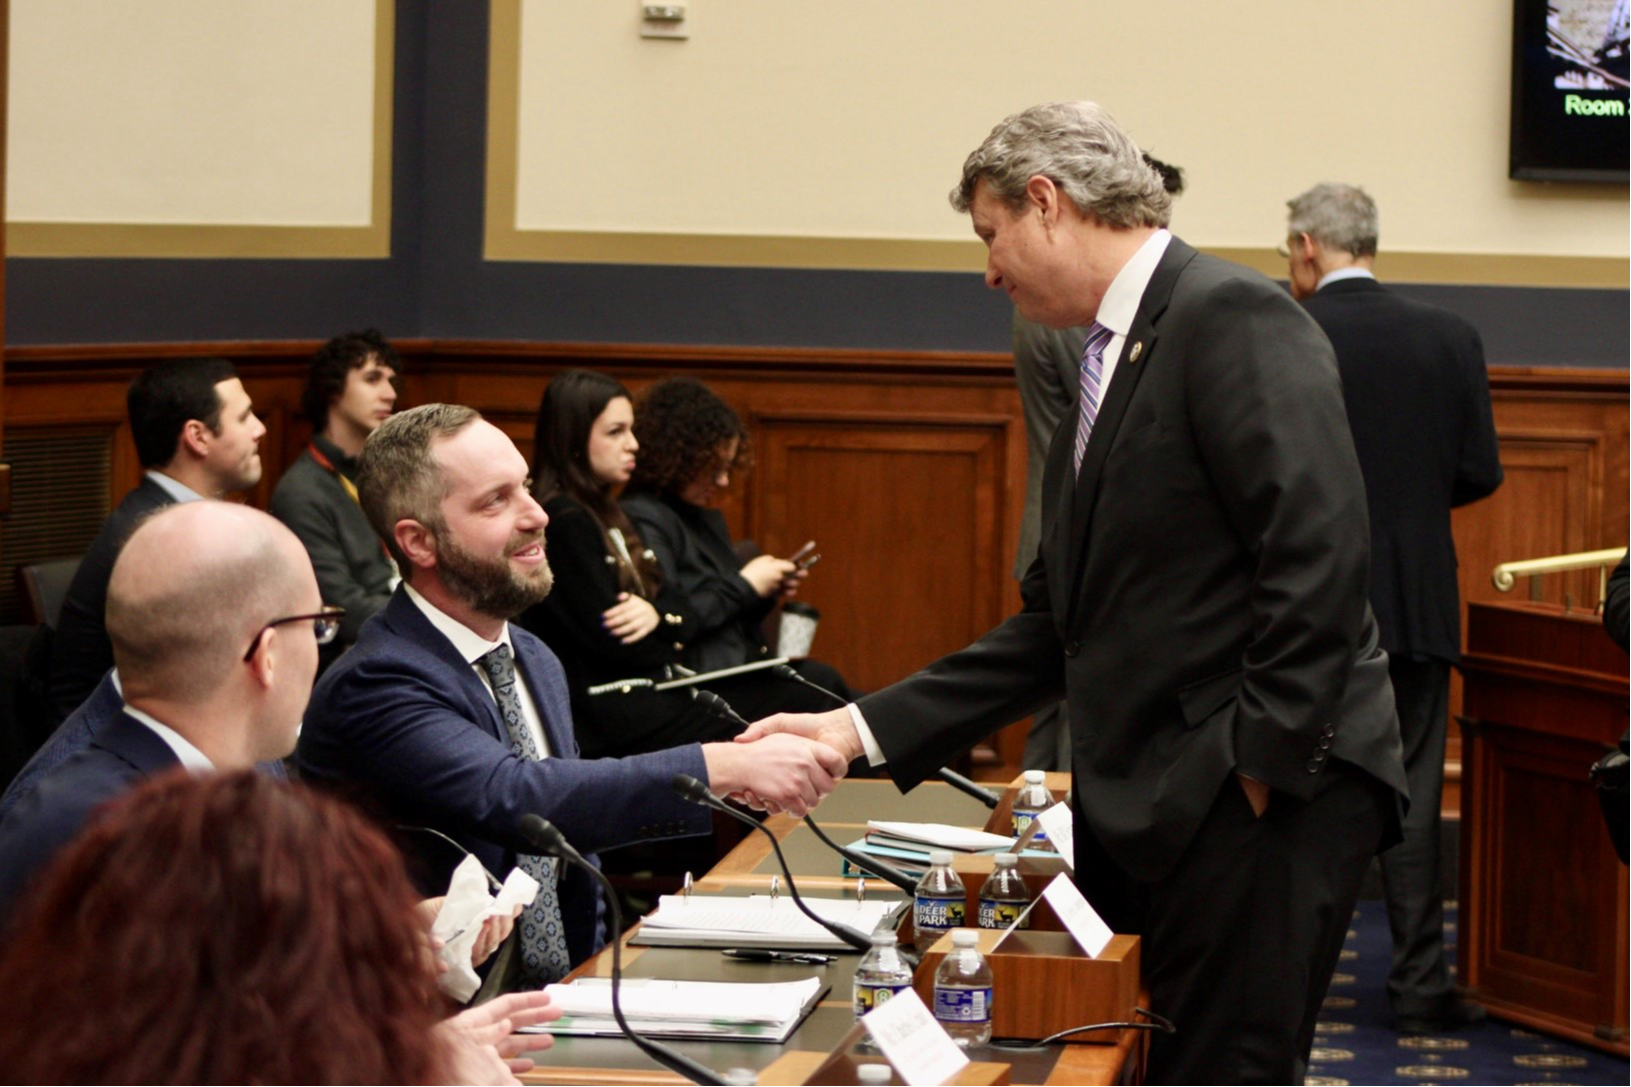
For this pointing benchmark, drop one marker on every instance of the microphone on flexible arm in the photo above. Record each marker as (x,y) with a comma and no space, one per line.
(717,706)
(547,838)
(697,793)
(950,777)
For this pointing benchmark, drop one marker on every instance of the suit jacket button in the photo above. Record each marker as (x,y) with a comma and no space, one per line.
(1325,743)
(1330,730)
(1072,647)
(1313,766)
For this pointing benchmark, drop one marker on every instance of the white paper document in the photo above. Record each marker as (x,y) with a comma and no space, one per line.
(942,835)
(756,921)
(685,1009)
(908,1036)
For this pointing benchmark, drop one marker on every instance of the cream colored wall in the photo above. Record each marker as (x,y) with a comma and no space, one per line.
(195,114)
(849,119)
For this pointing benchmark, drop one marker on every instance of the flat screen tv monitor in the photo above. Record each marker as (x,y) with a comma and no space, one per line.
(1571,90)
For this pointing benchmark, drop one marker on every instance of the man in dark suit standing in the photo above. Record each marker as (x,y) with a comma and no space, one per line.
(1417,397)
(446,716)
(216,653)
(197,436)
(1198,599)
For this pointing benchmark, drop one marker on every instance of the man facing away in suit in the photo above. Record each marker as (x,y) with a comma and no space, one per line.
(424,718)
(1417,396)
(197,436)
(215,620)
(1198,599)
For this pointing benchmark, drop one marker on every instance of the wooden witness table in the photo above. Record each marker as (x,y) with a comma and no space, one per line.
(748,869)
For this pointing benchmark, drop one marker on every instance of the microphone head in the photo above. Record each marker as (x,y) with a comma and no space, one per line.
(691,789)
(786,671)
(542,833)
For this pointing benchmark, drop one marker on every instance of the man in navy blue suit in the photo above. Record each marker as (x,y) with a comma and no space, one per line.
(216,655)
(1417,398)
(446,717)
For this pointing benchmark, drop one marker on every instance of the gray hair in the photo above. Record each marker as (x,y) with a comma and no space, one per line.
(1081,149)
(398,476)
(1337,216)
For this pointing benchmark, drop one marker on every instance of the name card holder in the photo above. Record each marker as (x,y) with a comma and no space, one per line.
(1043,983)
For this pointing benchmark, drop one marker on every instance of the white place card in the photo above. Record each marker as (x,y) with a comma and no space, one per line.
(1061,831)
(1083,922)
(910,1039)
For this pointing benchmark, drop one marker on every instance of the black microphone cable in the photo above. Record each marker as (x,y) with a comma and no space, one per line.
(548,839)
(698,793)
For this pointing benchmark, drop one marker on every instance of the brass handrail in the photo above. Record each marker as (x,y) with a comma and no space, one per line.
(1506,574)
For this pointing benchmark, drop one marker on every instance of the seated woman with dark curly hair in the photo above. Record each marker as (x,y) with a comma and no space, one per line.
(226,928)
(691,442)
(615,613)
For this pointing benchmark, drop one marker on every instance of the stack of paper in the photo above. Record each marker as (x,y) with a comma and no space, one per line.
(756,921)
(935,836)
(686,1009)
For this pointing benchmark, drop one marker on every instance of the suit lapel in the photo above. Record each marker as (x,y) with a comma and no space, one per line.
(405,618)
(1137,354)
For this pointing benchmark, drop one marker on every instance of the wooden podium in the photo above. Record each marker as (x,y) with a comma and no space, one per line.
(1543,897)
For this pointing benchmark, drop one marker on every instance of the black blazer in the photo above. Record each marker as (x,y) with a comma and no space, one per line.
(1199,596)
(1417,397)
(694,548)
(81,652)
(51,814)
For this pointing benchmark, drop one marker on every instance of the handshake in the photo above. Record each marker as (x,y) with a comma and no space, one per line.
(785,763)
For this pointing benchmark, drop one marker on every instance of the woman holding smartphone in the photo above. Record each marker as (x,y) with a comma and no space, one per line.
(615,613)
(691,441)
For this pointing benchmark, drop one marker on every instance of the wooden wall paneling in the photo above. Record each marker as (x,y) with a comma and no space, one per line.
(1563,438)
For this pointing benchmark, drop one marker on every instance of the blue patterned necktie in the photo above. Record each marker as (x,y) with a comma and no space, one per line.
(544,958)
(1087,404)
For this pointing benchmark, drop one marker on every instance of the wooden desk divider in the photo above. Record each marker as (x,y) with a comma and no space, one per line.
(1042,983)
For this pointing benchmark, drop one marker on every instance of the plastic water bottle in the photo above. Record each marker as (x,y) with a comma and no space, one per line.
(1004,896)
(941,901)
(1032,800)
(881,974)
(962,991)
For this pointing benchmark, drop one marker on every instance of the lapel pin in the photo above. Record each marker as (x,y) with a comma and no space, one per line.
(1138,349)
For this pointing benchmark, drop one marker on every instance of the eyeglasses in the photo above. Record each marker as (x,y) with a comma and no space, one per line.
(325,625)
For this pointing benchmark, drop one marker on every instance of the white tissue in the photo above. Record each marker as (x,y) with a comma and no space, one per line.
(458,923)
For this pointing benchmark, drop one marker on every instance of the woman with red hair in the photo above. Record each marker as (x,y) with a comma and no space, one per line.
(230,929)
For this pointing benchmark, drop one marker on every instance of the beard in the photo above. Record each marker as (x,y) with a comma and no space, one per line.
(492,586)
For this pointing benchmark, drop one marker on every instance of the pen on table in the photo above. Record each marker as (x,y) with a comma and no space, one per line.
(753,954)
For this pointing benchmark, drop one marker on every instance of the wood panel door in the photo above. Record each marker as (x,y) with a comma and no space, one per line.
(908,513)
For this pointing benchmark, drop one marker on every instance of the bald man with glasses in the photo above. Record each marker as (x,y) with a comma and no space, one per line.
(216,619)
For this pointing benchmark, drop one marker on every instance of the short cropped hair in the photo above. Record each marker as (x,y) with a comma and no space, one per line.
(164,398)
(1081,149)
(1337,216)
(397,474)
(334,361)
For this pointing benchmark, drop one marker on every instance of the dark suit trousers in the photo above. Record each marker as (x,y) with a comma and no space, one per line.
(1242,937)
(1418,983)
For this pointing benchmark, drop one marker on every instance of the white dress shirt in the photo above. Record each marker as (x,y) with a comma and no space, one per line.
(472,647)
(1116,312)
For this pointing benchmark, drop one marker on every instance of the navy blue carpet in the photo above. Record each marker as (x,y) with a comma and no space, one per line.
(1356,1042)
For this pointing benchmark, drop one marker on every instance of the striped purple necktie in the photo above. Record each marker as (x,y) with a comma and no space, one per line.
(1092,387)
